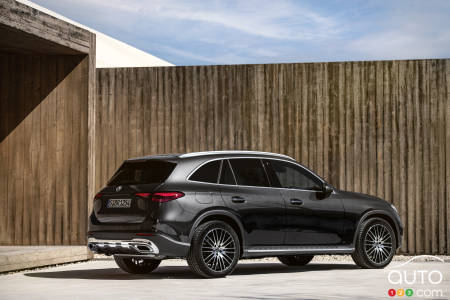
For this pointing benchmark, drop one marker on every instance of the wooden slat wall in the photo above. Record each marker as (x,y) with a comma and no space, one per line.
(374,127)
(43,149)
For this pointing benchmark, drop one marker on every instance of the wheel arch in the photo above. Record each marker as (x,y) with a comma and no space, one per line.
(382,215)
(224,216)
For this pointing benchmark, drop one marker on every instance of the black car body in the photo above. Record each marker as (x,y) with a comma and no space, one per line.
(153,205)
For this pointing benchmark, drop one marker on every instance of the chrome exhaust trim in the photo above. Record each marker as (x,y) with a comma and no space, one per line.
(131,247)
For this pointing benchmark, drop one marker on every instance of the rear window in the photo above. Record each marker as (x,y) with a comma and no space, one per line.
(147,172)
(209,172)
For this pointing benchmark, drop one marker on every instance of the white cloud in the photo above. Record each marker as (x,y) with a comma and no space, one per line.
(190,55)
(417,31)
(270,19)
(256,31)
(400,44)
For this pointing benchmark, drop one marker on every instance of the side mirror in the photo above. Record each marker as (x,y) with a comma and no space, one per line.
(327,189)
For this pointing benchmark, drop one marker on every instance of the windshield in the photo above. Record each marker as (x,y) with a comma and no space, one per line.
(147,172)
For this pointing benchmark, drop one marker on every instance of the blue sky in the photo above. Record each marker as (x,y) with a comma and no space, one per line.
(269,31)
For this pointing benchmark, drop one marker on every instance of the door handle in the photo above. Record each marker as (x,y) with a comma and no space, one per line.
(295,201)
(237,199)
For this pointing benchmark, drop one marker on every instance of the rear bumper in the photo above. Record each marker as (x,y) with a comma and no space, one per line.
(127,244)
(132,247)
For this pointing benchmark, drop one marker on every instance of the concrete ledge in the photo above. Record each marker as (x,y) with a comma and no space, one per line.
(14,258)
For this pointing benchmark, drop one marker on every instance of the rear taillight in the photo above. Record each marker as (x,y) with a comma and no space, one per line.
(98,196)
(144,234)
(161,197)
(166,196)
(143,195)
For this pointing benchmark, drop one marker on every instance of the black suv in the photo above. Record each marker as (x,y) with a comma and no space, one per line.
(214,208)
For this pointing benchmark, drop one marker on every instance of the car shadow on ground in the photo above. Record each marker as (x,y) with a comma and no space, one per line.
(183,272)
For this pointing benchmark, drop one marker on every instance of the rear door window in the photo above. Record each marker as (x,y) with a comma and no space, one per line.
(226,176)
(209,172)
(142,172)
(249,171)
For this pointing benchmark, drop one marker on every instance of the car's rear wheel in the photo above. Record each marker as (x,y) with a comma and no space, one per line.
(215,250)
(295,260)
(375,244)
(136,265)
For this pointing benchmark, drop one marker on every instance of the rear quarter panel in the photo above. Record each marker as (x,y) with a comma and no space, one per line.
(177,217)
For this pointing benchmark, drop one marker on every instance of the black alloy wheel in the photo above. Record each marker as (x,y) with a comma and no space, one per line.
(215,249)
(375,244)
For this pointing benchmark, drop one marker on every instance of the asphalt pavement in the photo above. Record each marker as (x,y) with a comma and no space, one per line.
(253,279)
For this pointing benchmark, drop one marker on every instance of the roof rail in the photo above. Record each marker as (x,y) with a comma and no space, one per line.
(194,154)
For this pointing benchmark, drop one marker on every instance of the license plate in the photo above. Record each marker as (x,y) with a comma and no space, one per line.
(118,203)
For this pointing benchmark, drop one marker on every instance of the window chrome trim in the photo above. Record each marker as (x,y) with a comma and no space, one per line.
(265,187)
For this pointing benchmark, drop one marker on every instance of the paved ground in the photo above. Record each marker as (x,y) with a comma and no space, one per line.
(253,279)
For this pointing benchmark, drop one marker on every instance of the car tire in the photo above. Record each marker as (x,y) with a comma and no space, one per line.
(136,265)
(295,260)
(215,250)
(375,244)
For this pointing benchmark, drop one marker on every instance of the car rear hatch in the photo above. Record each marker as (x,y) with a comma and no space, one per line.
(127,197)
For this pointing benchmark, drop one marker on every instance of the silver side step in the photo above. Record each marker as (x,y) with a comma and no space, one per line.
(293,250)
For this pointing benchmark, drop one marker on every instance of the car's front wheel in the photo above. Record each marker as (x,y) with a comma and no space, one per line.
(375,244)
(215,250)
(295,260)
(136,265)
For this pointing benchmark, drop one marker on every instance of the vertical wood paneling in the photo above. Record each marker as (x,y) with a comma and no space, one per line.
(43,149)
(364,129)
(86,74)
(26,213)
(357,157)
(348,117)
(447,149)
(441,119)
(57,184)
(380,168)
(372,127)
(35,150)
(426,157)
(410,161)
(341,125)
(434,158)
(387,132)
(19,157)
(418,152)
(43,155)
(89,125)
(4,151)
